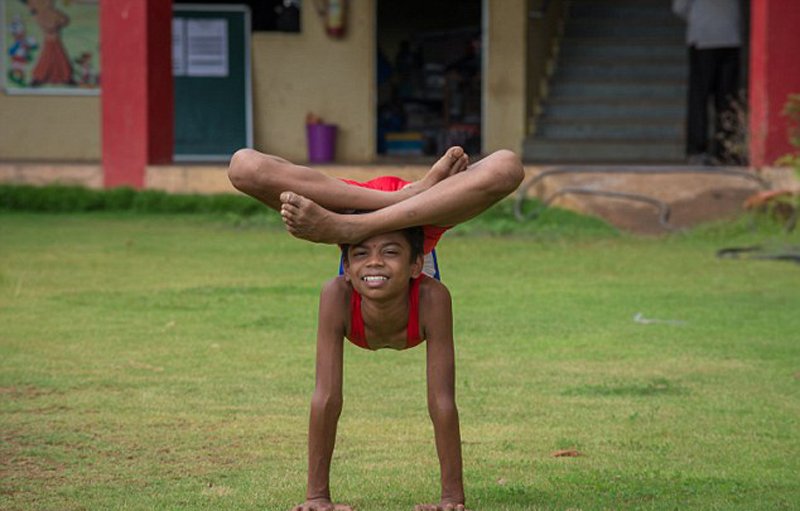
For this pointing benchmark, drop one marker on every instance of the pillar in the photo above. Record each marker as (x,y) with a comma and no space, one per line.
(504,79)
(137,97)
(774,74)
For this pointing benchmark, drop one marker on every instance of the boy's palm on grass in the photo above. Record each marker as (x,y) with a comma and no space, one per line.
(440,507)
(322,506)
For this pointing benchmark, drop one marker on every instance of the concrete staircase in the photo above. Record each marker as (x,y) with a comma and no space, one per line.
(618,93)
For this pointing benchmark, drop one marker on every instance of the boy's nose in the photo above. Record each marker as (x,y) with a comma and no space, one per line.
(375,260)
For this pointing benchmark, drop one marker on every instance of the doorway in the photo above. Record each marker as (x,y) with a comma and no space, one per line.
(429,76)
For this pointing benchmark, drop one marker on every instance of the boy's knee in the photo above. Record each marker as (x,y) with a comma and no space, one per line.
(509,171)
(243,168)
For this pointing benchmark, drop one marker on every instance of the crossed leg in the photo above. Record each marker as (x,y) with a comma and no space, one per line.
(265,177)
(450,201)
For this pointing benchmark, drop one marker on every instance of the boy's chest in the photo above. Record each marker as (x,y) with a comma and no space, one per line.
(394,336)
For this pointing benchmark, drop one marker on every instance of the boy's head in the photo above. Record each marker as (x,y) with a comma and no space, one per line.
(384,263)
(415,236)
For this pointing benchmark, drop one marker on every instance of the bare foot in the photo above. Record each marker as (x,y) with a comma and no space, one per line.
(305,219)
(453,161)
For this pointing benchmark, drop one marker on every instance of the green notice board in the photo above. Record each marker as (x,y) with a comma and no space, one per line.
(211,73)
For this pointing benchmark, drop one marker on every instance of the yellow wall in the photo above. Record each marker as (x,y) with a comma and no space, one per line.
(41,128)
(294,74)
(505,54)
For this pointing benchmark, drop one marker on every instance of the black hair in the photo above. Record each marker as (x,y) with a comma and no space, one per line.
(415,237)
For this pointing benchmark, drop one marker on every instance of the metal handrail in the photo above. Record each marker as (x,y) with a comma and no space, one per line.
(663,207)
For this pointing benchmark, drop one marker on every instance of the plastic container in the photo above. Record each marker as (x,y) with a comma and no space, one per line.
(321,142)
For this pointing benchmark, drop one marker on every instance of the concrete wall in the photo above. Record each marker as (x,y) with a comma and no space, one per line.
(42,128)
(504,77)
(294,74)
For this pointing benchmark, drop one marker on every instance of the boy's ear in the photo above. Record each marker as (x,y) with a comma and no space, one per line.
(346,268)
(417,265)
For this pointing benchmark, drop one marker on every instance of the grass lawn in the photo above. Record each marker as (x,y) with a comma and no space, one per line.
(166,362)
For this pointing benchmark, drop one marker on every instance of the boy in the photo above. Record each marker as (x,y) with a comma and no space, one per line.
(383,299)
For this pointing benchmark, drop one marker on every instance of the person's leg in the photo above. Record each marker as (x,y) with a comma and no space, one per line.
(701,72)
(446,203)
(264,177)
(726,90)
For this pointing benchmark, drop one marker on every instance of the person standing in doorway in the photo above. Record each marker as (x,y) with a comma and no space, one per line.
(714,38)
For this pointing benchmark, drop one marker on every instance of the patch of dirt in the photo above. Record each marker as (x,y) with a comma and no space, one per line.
(20,472)
(26,392)
(566,453)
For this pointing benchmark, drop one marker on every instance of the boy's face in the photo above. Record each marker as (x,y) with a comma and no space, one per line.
(381,265)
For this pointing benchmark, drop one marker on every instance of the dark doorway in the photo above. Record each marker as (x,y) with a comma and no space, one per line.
(429,76)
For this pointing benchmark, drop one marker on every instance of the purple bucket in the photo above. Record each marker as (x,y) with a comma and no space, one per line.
(321,142)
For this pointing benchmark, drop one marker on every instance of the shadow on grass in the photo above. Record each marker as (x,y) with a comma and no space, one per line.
(655,387)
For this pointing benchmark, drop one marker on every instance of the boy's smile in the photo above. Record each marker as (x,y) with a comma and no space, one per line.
(381,263)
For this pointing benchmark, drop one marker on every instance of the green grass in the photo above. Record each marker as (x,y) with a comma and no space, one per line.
(166,362)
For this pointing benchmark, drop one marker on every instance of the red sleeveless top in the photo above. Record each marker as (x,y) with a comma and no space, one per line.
(358,335)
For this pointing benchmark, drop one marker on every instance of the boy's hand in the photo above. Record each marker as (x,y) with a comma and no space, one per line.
(443,506)
(321,505)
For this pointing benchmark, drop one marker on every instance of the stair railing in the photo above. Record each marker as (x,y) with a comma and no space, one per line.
(545,29)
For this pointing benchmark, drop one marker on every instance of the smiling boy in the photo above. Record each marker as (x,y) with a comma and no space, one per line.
(383,299)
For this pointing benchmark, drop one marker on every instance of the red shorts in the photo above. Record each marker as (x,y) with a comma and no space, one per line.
(392,184)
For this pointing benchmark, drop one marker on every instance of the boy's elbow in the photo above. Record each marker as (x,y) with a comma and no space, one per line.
(327,403)
(442,407)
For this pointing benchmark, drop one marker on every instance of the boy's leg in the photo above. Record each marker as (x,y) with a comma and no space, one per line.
(264,177)
(448,202)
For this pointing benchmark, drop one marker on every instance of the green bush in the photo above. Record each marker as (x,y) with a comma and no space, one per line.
(72,199)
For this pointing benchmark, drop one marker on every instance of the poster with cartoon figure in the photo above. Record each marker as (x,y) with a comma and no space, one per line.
(51,46)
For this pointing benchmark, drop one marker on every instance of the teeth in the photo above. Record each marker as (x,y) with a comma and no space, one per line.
(373,278)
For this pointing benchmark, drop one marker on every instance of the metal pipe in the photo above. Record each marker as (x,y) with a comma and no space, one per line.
(663,207)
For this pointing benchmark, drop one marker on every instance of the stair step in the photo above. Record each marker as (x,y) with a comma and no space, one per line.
(625,40)
(593,71)
(620,10)
(618,89)
(562,108)
(599,128)
(611,3)
(603,150)
(592,27)
(570,50)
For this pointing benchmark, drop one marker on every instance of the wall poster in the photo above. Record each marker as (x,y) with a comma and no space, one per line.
(51,46)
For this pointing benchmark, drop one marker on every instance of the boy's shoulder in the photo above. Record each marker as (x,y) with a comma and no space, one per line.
(337,287)
(432,291)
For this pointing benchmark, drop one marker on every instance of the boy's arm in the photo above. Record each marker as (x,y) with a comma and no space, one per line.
(326,403)
(438,325)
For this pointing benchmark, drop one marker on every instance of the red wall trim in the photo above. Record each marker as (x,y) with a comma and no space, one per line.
(774,74)
(137,96)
